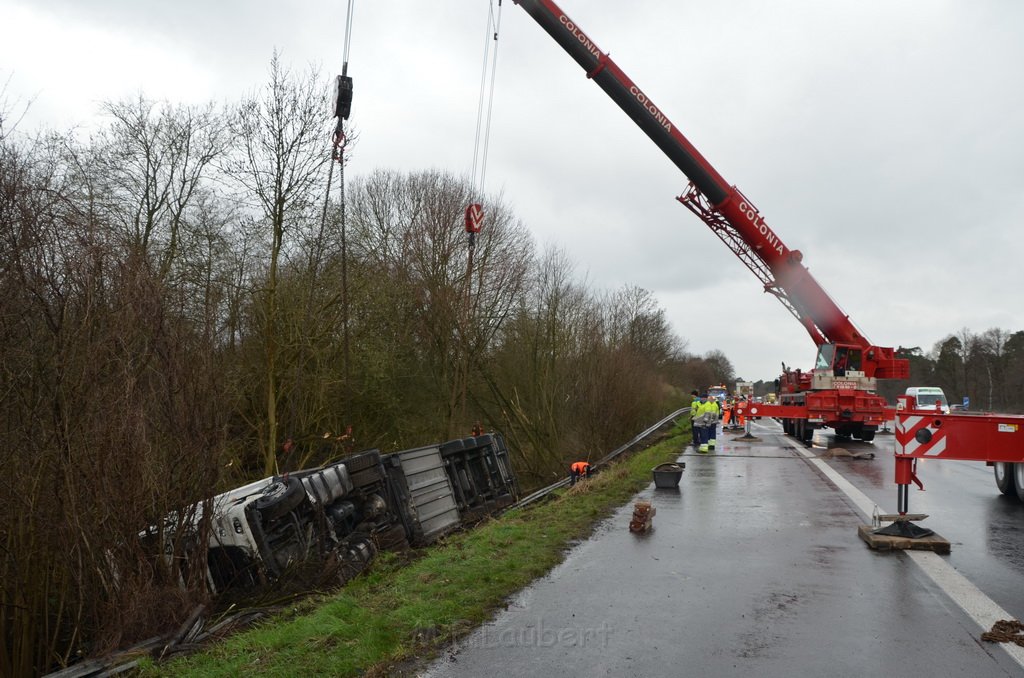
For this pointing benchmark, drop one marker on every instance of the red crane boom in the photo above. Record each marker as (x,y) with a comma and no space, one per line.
(839,392)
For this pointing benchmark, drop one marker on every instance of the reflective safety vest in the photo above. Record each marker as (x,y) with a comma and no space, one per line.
(580,467)
(710,407)
(694,408)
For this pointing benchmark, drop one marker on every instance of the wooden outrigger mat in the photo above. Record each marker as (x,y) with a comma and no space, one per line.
(881,542)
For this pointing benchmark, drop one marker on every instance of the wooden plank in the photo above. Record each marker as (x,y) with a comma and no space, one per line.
(194,620)
(882,542)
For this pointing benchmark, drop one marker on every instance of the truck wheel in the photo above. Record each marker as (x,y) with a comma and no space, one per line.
(1018,478)
(867,436)
(1005,473)
(280,497)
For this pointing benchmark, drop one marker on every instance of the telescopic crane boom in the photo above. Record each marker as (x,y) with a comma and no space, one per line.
(838,392)
(739,224)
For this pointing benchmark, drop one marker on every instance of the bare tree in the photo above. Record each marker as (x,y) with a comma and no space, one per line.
(534,365)
(282,154)
(409,236)
(639,325)
(722,368)
(111,407)
(9,119)
(155,157)
(992,355)
(1015,371)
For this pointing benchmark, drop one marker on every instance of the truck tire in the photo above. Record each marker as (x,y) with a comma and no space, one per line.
(1005,481)
(280,497)
(1018,478)
(867,436)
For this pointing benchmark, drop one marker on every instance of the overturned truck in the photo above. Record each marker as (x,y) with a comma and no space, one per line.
(344,513)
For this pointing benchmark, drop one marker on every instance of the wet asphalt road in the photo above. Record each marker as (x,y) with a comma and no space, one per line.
(985,528)
(754,568)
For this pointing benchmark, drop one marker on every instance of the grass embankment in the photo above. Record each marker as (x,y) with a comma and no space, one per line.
(402,610)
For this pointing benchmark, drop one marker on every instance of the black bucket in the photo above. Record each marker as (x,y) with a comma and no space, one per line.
(668,475)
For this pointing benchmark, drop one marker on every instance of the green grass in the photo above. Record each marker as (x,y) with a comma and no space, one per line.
(400,610)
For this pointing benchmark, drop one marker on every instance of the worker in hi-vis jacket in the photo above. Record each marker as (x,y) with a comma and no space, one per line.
(707,419)
(694,411)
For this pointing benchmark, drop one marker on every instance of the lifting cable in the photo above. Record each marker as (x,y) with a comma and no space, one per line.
(474,212)
(342,110)
(480,157)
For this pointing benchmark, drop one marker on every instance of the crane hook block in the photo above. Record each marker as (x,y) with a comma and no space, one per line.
(474,218)
(343,97)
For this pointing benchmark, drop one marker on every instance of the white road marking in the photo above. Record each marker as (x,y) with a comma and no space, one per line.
(975,604)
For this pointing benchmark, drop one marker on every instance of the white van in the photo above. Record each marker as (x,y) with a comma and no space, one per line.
(928,396)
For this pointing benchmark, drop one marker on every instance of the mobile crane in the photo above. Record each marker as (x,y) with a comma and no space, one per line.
(839,391)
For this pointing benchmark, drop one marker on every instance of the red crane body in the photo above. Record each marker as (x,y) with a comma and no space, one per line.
(839,391)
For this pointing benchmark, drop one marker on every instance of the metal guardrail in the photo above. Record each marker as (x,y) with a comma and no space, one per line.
(545,491)
(640,436)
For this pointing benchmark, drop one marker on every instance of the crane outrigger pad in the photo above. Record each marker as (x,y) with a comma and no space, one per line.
(744,437)
(890,542)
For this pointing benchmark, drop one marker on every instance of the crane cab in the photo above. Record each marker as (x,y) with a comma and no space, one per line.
(841,366)
(840,359)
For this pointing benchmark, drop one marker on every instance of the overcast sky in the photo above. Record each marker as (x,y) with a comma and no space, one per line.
(882,138)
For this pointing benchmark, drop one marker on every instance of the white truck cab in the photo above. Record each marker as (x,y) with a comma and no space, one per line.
(929,398)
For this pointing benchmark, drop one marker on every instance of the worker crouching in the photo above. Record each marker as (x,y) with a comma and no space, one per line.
(578,470)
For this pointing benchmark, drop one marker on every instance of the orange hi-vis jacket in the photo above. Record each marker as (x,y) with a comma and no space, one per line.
(580,467)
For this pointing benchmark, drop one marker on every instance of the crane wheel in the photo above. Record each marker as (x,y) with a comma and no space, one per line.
(1005,481)
(1018,478)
